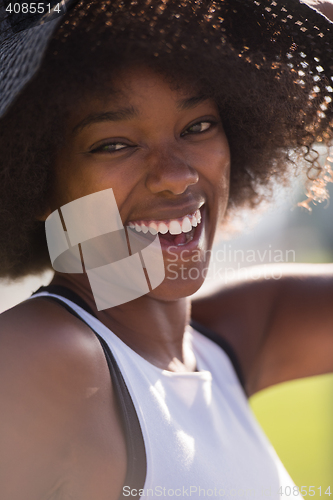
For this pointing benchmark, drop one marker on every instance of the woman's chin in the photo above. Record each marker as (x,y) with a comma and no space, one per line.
(179,282)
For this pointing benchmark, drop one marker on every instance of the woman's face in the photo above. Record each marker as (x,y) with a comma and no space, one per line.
(166,157)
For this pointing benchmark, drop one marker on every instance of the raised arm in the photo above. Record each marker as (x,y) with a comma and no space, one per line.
(280,329)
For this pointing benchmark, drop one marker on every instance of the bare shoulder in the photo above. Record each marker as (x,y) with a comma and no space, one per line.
(57,399)
(38,336)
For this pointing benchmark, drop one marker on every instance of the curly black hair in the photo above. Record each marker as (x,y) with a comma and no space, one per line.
(265,114)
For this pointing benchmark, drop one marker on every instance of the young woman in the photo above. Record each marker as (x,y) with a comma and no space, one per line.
(186,111)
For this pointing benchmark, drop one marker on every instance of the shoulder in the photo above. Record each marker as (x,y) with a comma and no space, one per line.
(56,396)
(38,333)
(50,358)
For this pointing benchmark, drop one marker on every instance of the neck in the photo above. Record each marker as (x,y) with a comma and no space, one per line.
(151,327)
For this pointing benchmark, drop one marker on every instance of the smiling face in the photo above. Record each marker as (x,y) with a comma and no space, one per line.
(166,157)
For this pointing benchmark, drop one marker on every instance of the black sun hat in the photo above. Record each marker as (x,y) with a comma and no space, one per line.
(285,32)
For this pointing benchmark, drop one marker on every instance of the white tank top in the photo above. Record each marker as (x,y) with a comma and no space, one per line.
(200,436)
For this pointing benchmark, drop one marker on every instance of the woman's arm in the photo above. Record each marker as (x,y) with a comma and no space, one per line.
(280,329)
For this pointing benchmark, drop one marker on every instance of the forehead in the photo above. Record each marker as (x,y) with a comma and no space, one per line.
(138,92)
(141,84)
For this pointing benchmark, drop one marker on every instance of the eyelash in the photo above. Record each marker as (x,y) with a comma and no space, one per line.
(100,149)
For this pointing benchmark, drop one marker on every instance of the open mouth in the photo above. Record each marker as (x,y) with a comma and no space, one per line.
(177,232)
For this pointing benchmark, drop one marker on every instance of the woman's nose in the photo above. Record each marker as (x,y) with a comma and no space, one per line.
(169,172)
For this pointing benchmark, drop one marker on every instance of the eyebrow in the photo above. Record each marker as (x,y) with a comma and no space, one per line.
(191,102)
(129,112)
(108,116)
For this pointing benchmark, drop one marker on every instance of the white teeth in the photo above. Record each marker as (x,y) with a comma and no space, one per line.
(152,228)
(162,228)
(198,216)
(186,225)
(175,227)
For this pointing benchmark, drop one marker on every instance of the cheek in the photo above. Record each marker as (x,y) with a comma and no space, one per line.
(80,176)
(212,161)
(214,168)
(220,167)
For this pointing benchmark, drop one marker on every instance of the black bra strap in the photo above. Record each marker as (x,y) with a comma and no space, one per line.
(136,453)
(65,292)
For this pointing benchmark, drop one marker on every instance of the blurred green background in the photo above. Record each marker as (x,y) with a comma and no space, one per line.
(297,417)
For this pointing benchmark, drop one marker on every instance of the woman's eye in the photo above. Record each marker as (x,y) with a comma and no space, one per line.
(198,128)
(110,147)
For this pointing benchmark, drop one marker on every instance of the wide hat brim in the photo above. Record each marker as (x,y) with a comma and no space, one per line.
(287,31)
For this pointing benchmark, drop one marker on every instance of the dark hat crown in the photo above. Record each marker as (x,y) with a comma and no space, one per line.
(263,32)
